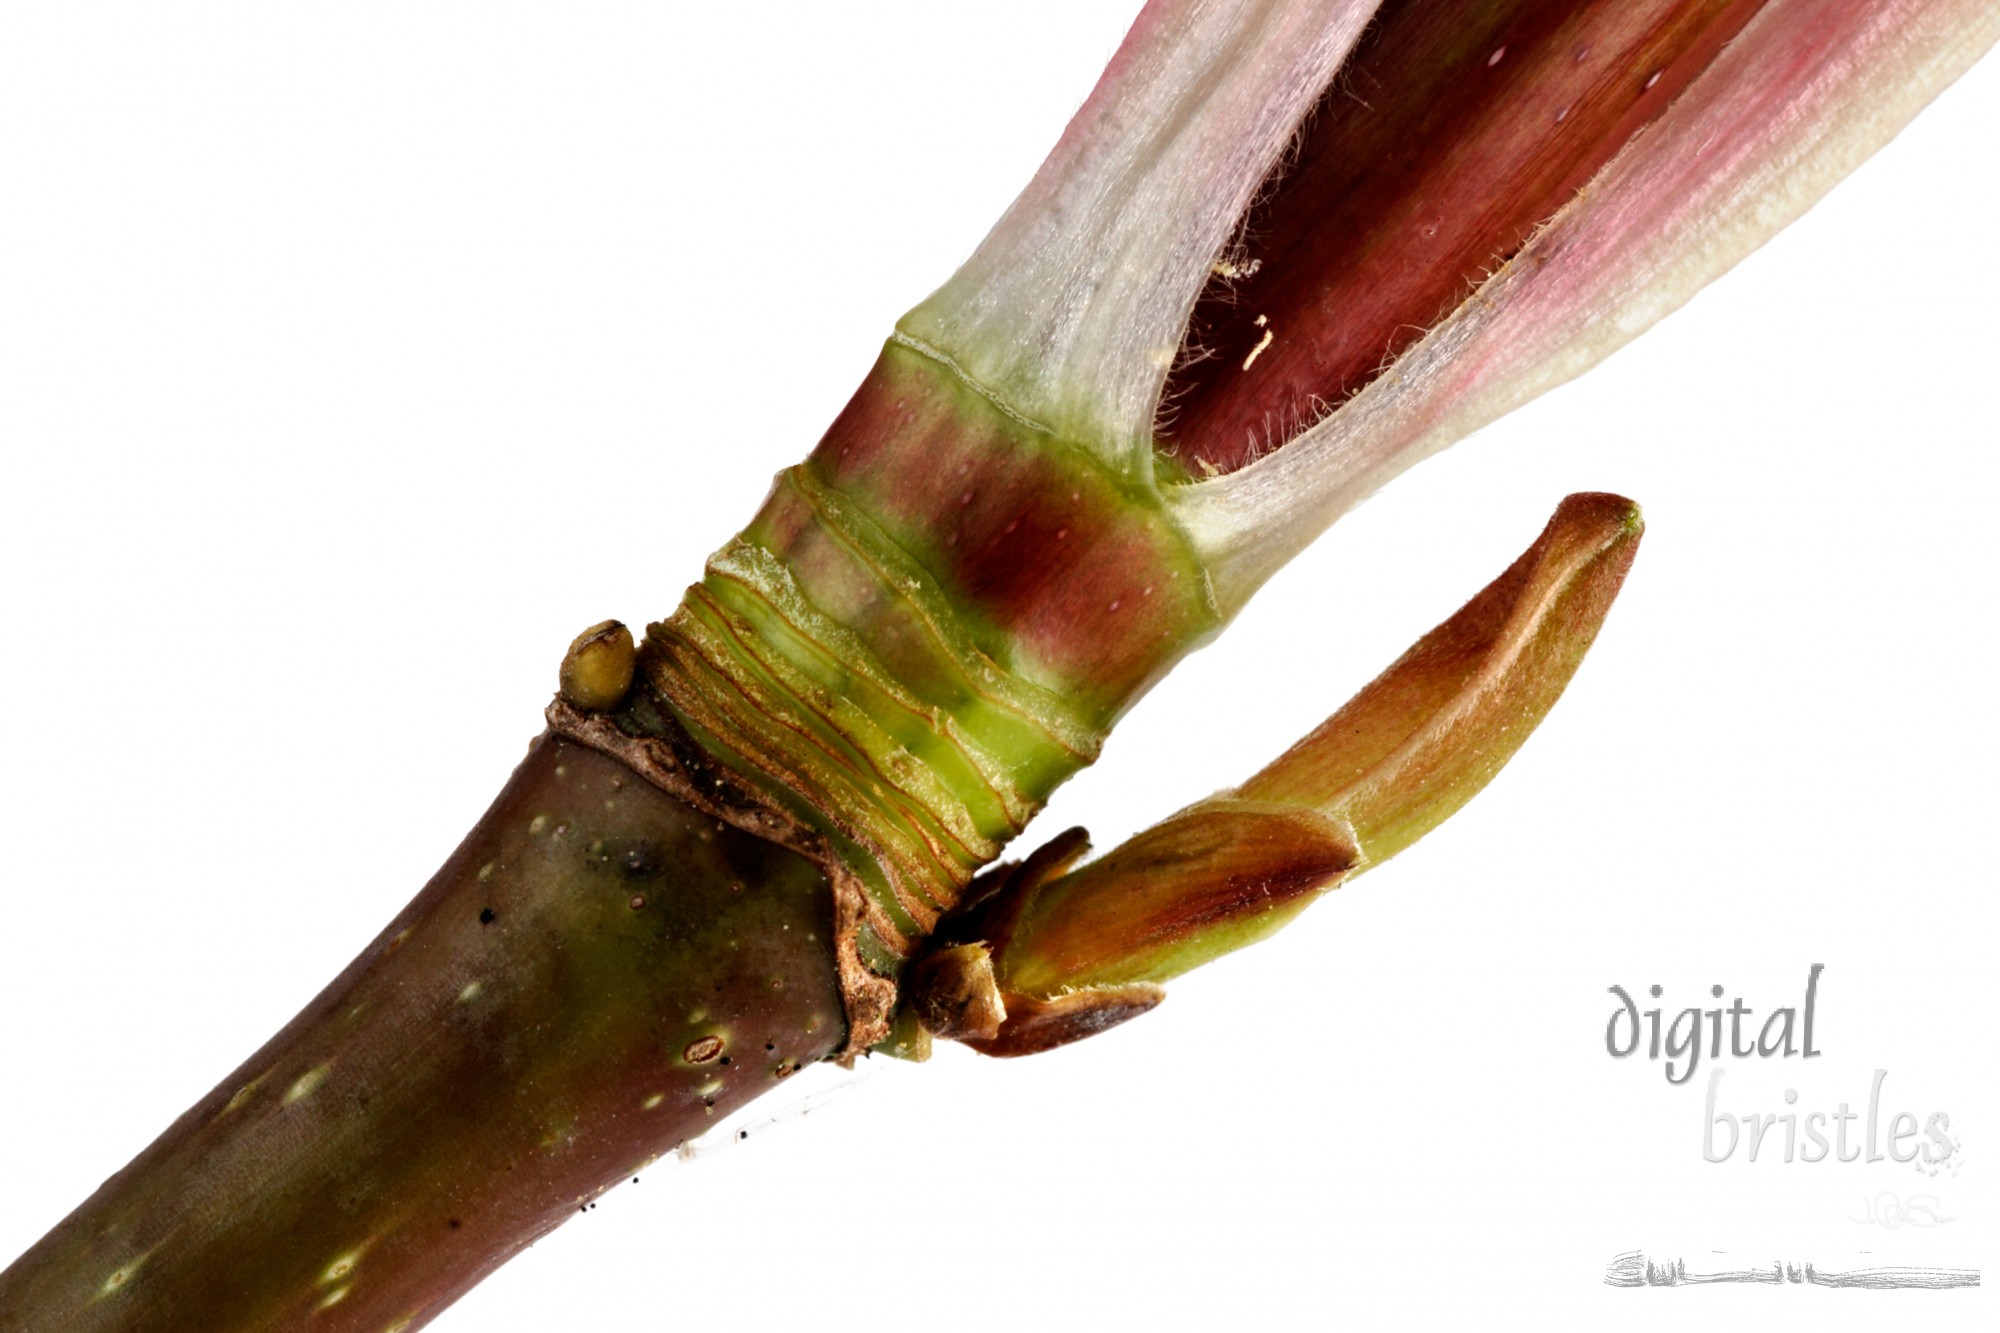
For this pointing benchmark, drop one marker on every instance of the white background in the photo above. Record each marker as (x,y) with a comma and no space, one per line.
(353,357)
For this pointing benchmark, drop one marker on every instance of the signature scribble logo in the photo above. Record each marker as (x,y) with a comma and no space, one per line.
(1891,1211)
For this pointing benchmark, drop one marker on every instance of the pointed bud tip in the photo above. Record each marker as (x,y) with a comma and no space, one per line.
(1609,517)
(1431,731)
(1581,557)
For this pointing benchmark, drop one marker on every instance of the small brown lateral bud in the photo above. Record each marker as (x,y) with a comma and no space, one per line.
(597,669)
(953,994)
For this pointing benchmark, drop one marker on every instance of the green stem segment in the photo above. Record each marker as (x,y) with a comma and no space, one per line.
(933,621)
(597,974)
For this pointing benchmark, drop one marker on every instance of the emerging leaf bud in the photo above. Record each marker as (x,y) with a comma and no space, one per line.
(1061,954)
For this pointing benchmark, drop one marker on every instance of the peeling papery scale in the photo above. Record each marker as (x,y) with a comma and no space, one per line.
(1804,94)
(1072,309)
(1697,129)
(1046,953)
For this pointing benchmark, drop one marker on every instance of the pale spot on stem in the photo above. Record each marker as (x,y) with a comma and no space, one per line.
(341,1267)
(119,1277)
(307,1083)
(243,1095)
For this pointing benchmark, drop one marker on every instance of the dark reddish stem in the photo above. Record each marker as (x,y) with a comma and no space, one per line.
(596,975)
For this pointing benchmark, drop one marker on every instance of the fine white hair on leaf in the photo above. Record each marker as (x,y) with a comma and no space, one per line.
(1807,91)
(1074,307)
